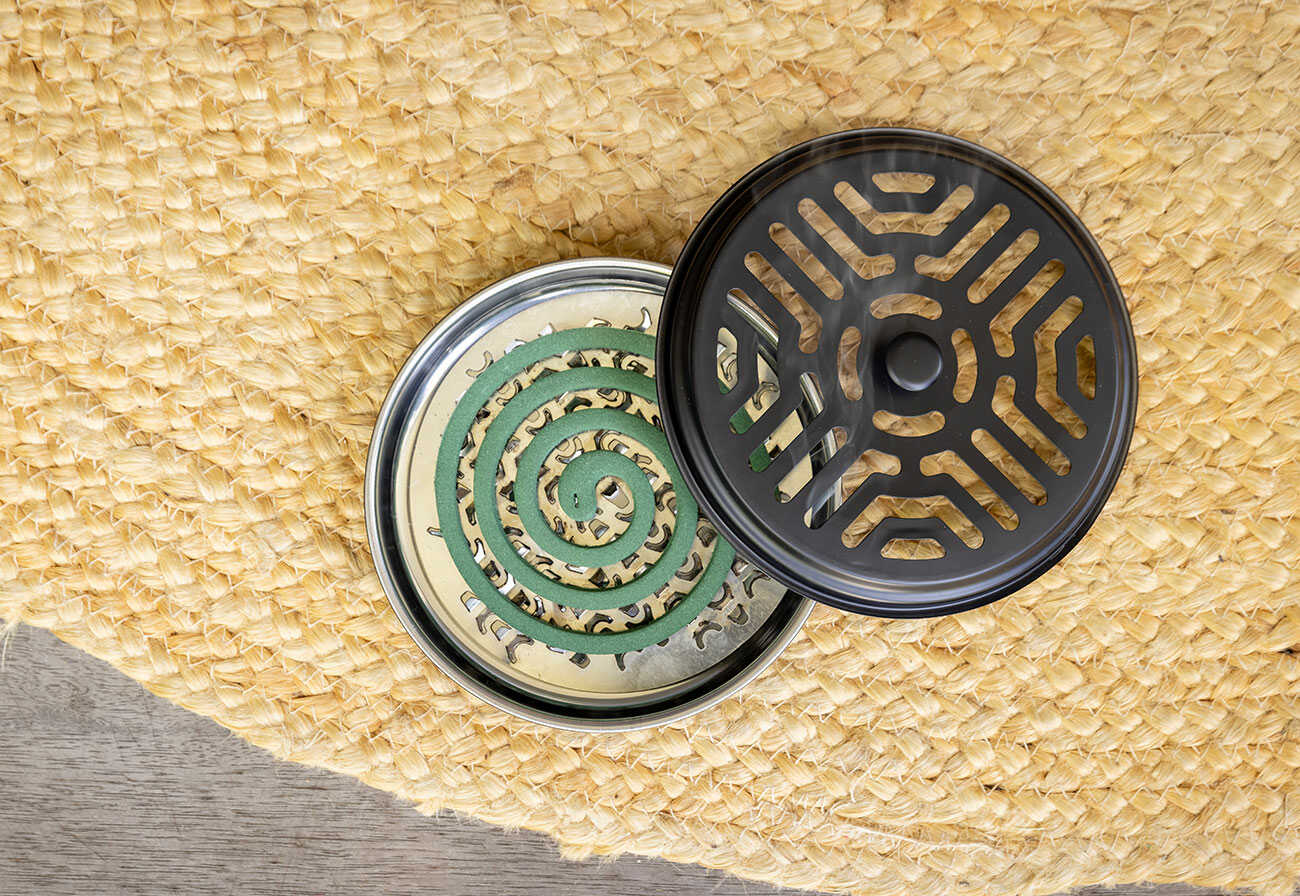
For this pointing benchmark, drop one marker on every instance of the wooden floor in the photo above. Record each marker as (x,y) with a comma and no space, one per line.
(108,789)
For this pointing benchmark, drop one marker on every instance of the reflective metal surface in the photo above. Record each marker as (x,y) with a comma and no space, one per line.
(742,627)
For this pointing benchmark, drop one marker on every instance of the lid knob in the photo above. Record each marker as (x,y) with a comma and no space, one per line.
(913,361)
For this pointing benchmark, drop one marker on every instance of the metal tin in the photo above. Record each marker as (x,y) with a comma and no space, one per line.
(436,571)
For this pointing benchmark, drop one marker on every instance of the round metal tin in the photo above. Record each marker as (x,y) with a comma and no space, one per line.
(435,571)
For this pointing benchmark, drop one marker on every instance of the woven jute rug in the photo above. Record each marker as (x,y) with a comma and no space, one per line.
(224,225)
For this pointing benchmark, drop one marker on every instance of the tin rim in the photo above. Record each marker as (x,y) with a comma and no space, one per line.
(427,365)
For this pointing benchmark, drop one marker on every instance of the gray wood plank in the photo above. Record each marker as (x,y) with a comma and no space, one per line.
(108,789)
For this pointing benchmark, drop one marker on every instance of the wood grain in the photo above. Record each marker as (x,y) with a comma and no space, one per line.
(109,789)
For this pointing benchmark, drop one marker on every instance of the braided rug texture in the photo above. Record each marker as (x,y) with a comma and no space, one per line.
(223,226)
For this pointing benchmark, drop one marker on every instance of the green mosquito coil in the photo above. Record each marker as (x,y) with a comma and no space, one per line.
(544,395)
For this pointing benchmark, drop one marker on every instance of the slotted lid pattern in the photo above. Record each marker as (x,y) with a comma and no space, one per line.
(971,348)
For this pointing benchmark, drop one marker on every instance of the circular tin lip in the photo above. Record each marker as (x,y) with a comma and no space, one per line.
(418,621)
(699,465)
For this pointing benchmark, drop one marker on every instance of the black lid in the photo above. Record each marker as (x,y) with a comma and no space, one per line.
(971,348)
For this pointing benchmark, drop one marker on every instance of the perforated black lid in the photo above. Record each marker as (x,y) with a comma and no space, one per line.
(971,348)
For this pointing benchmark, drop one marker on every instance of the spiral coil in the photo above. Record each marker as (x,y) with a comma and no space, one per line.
(580,400)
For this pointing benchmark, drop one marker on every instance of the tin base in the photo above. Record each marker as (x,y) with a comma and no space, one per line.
(501,541)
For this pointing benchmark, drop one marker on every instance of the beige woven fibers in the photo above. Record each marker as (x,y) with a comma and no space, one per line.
(223,226)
